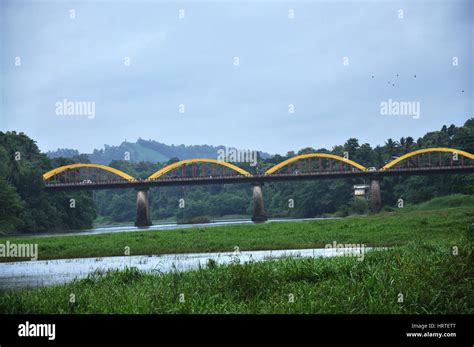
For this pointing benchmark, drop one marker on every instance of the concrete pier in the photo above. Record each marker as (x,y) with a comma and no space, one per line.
(375,196)
(259,215)
(143,209)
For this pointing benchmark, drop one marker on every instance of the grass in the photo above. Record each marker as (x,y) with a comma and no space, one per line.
(443,202)
(415,223)
(429,277)
(422,268)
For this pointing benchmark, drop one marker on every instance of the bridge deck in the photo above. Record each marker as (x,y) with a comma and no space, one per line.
(181,181)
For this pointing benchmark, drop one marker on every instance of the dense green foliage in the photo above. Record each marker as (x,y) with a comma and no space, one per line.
(24,205)
(452,215)
(423,269)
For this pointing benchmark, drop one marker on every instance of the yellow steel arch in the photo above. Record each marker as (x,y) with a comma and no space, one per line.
(427,150)
(170,167)
(313,155)
(53,172)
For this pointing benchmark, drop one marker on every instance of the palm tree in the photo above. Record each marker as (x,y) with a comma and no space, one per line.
(392,147)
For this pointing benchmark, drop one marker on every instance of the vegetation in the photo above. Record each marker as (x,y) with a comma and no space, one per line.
(424,269)
(143,150)
(416,224)
(431,280)
(24,205)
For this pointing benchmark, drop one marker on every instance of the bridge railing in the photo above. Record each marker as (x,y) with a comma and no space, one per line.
(311,164)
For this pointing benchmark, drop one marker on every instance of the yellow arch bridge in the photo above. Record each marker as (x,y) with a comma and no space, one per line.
(301,167)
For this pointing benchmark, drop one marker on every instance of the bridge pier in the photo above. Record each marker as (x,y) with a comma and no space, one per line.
(143,209)
(259,215)
(375,196)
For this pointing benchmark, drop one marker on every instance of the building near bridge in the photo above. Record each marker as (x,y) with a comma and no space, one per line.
(361,191)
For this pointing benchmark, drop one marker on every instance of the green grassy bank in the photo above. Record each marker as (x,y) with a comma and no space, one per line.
(423,269)
(442,219)
(429,277)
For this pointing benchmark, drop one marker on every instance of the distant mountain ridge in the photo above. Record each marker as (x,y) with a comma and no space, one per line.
(144,150)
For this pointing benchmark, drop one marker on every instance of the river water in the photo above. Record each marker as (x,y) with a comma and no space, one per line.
(49,272)
(164,226)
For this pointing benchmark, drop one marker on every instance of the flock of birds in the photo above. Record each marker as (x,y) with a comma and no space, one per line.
(393,84)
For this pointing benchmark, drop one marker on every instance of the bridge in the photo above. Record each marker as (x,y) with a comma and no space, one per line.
(309,166)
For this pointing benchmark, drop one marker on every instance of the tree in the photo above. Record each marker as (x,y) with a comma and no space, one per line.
(25,205)
(11,207)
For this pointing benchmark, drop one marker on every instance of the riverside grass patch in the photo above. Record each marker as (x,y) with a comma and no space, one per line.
(426,274)
(442,219)
(428,269)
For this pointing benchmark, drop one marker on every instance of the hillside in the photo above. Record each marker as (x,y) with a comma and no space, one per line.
(144,150)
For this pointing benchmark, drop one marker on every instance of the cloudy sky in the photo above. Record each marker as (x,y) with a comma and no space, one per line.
(137,61)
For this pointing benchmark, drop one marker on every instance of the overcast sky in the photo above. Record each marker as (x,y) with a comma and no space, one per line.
(191,61)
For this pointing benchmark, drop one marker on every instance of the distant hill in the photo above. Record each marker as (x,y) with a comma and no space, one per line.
(144,150)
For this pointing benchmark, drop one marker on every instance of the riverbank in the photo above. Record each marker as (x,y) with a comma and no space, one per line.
(23,274)
(430,269)
(442,219)
(420,277)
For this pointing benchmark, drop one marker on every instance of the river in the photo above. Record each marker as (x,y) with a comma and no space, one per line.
(49,272)
(162,226)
